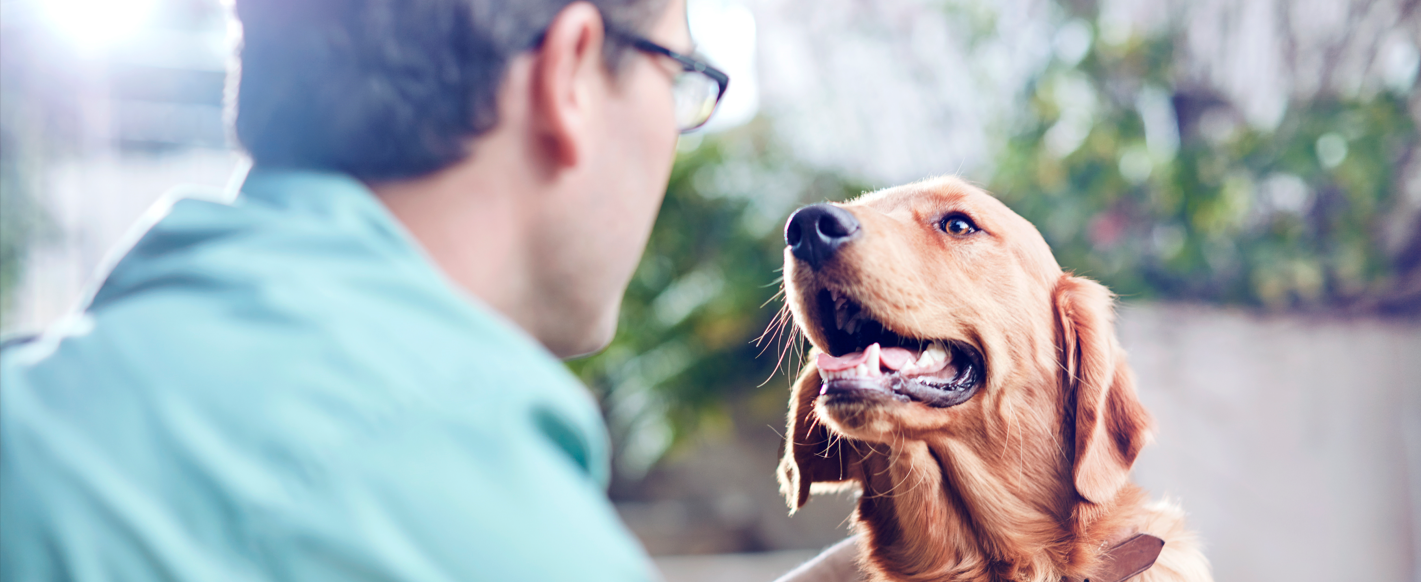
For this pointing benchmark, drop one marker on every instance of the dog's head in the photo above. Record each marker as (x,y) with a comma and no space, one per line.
(939,314)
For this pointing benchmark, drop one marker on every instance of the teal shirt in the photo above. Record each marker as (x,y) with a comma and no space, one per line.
(284,387)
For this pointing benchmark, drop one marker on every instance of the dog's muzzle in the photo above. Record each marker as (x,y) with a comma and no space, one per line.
(814,233)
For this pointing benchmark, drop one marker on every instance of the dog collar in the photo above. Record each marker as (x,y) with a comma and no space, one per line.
(1126,559)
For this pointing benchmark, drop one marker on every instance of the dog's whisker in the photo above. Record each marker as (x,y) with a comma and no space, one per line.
(1012,418)
(778,294)
(840,450)
(789,336)
(775,327)
(1056,440)
(793,347)
(836,440)
(912,474)
(847,521)
(786,332)
(779,361)
(781,331)
(919,478)
(892,459)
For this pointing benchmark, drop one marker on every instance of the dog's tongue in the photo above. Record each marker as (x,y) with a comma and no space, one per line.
(829,363)
(874,356)
(896,358)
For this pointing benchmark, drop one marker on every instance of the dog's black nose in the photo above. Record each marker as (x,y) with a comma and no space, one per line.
(815,232)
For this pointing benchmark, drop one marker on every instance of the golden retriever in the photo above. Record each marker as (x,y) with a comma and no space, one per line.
(973,392)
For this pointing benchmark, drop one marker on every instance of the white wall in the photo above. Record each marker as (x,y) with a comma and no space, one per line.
(1294,442)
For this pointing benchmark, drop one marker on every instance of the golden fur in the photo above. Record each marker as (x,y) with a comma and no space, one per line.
(1028,479)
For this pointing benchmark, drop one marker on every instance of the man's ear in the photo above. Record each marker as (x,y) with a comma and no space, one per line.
(1111,426)
(812,455)
(567,65)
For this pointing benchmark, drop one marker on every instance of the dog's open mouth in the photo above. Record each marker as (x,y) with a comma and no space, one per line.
(867,360)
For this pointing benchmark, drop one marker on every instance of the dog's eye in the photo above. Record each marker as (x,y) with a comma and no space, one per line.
(958,224)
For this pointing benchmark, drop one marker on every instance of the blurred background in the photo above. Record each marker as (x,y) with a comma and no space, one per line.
(1244,173)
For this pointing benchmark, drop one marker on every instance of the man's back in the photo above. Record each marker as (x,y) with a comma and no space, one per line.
(285,387)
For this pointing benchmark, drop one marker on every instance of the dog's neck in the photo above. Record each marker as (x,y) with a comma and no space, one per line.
(940,512)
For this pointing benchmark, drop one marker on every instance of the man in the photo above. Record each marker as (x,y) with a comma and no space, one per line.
(349,371)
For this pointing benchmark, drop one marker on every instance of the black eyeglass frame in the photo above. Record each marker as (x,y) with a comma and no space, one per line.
(689,64)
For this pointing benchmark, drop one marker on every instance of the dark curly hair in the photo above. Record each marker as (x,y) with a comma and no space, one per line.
(384,89)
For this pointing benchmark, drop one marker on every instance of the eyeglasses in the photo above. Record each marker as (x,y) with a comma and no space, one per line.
(697,89)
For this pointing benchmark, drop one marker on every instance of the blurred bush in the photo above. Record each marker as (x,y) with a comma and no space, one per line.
(16,219)
(1163,192)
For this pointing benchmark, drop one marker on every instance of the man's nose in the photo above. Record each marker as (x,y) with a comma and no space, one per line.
(815,233)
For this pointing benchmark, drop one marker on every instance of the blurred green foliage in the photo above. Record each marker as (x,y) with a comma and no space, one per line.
(21,218)
(14,223)
(1222,212)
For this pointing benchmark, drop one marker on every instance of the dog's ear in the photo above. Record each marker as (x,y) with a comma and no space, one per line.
(1111,426)
(811,454)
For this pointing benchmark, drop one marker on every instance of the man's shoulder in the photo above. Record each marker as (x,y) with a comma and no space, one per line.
(248,305)
(339,276)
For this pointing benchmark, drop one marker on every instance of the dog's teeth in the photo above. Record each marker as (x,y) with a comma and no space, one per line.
(841,318)
(873,363)
(924,360)
(936,352)
(933,355)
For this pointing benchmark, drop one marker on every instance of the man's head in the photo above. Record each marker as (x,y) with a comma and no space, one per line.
(386,89)
(526,145)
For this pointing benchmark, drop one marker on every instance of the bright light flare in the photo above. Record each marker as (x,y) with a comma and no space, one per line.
(724,31)
(94,26)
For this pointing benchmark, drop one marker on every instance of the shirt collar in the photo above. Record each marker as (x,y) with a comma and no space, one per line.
(305,189)
(329,195)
